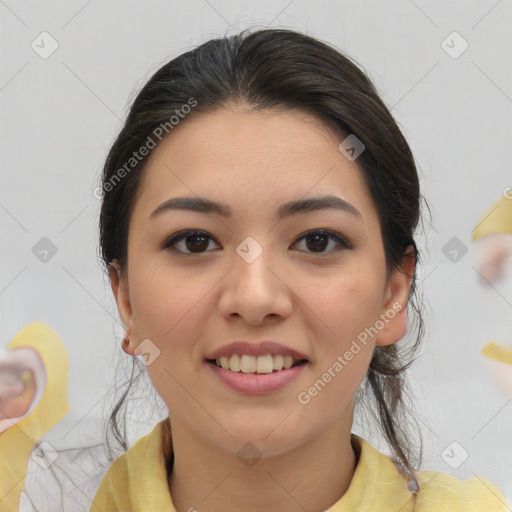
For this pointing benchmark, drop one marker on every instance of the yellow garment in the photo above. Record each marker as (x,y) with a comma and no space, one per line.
(16,442)
(137,482)
(497,219)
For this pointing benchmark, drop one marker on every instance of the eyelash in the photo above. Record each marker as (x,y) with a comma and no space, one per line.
(332,235)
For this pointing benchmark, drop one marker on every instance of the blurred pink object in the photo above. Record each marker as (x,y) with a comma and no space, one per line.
(494,251)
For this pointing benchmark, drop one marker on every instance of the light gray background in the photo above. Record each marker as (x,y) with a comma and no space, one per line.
(61,113)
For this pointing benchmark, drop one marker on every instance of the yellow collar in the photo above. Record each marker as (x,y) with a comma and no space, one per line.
(138,481)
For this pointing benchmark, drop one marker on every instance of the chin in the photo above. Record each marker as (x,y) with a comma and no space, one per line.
(269,438)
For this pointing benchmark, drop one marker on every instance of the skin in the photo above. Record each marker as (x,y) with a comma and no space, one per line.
(191,304)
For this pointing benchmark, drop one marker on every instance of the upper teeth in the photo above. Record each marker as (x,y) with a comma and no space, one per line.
(250,364)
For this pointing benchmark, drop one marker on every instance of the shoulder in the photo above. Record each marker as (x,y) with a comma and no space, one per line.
(438,492)
(136,473)
(108,495)
(444,492)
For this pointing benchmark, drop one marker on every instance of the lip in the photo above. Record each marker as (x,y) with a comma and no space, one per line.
(257,384)
(255,349)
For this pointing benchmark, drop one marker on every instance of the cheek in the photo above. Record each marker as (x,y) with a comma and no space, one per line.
(346,304)
(348,307)
(171,308)
(167,301)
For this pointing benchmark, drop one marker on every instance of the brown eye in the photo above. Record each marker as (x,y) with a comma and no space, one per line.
(197,242)
(318,241)
(192,242)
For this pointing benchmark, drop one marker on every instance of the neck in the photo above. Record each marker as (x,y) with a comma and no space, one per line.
(312,476)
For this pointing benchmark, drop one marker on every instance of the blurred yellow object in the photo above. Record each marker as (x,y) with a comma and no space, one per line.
(497,219)
(17,442)
(495,351)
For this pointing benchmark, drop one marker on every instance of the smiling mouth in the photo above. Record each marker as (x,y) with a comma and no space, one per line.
(256,365)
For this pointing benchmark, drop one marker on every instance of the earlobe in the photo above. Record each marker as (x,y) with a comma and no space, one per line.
(128,346)
(394,312)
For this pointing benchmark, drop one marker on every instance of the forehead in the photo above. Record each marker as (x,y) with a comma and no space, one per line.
(252,158)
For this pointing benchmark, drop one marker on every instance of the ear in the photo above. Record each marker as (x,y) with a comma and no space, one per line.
(121,291)
(394,312)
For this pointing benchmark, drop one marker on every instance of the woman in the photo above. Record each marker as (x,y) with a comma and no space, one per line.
(257,226)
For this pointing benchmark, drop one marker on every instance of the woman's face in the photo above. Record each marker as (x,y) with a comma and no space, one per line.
(253,276)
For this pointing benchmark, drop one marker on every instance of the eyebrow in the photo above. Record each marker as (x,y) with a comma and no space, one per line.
(207,206)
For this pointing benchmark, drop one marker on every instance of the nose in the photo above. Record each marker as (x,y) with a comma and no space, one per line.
(256,287)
